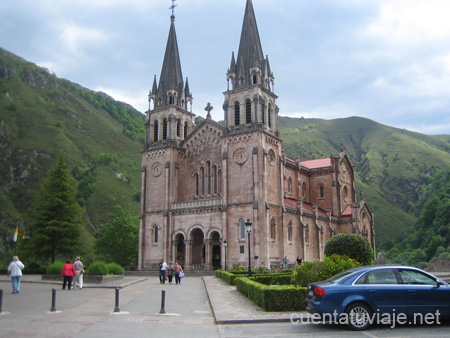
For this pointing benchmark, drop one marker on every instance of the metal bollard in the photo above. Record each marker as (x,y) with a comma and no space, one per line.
(116,308)
(53,309)
(1,299)
(163,302)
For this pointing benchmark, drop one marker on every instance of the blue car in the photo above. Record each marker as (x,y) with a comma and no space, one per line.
(383,294)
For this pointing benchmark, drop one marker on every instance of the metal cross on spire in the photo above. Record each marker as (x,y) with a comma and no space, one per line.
(173,8)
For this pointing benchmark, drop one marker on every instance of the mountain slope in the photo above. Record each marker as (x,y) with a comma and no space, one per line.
(389,161)
(40,116)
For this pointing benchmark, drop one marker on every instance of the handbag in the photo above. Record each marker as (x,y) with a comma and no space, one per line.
(181,275)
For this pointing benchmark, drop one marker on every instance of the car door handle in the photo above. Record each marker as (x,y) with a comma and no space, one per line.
(372,292)
(411,292)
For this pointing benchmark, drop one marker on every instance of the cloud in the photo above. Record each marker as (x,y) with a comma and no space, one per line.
(417,19)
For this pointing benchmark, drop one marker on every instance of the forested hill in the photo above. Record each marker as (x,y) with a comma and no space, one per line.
(391,164)
(42,115)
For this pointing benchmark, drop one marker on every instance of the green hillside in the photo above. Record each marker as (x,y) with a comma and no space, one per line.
(389,161)
(40,116)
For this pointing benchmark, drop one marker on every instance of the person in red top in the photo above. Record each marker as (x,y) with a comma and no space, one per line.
(68,272)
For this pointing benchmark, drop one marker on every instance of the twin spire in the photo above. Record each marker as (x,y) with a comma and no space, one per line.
(171,89)
(249,68)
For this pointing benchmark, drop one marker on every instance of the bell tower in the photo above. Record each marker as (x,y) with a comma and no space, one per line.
(168,119)
(250,100)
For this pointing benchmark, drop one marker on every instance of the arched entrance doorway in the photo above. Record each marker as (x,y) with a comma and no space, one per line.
(215,245)
(198,249)
(180,253)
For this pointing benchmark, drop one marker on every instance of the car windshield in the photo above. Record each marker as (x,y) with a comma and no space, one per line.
(341,276)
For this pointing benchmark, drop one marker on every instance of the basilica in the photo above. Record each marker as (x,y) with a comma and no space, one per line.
(212,192)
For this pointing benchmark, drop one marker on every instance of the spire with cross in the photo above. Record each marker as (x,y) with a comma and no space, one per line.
(173,9)
(208,108)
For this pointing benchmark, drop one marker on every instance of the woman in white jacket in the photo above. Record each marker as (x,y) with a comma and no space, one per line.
(15,271)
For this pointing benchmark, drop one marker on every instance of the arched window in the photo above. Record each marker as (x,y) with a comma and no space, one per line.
(248,111)
(307,234)
(304,190)
(263,113)
(155,131)
(290,185)
(214,174)
(242,228)
(208,176)
(202,174)
(219,180)
(171,99)
(185,129)
(272,229)
(290,228)
(178,127)
(255,79)
(321,193)
(164,129)
(237,114)
(345,193)
(197,185)
(269,115)
(155,233)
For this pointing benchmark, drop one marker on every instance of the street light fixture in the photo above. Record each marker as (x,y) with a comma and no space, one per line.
(225,244)
(248,228)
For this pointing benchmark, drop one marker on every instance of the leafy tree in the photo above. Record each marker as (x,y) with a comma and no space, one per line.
(118,240)
(57,223)
(352,246)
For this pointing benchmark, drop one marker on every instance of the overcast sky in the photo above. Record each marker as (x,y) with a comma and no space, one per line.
(387,60)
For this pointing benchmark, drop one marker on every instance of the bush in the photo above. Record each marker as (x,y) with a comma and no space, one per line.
(272,298)
(98,268)
(352,246)
(317,271)
(55,268)
(115,269)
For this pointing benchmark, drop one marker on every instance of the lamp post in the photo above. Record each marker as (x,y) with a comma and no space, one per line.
(225,244)
(248,228)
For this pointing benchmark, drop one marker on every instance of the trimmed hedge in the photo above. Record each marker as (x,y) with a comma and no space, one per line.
(274,297)
(98,268)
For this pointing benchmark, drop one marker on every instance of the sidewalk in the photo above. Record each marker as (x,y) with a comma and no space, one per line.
(200,304)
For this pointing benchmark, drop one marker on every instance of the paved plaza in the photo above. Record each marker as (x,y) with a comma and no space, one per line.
(194,308)
(202,306)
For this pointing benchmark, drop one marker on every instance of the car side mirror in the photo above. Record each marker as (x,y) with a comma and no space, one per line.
(439,283)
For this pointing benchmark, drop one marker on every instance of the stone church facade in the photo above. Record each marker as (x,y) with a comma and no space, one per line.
(200,184)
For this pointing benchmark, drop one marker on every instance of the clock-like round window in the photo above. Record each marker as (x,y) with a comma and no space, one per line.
(156,169)
(271,157)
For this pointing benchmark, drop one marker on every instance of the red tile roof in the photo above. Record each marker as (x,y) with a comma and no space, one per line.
(289,202)
(317,163)
(347,211)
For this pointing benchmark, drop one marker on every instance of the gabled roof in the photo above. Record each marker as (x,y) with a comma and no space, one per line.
(317,163)
(347,211)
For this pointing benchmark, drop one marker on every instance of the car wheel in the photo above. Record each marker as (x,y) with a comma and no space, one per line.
(359,316)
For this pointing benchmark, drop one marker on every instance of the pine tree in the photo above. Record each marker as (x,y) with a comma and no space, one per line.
(57,222)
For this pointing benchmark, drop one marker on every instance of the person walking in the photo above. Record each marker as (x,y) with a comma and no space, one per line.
(299,261)
(79,271)
(15,271)
(162,271)
(170,271)
(68,272)
(285,261)
(177,269)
